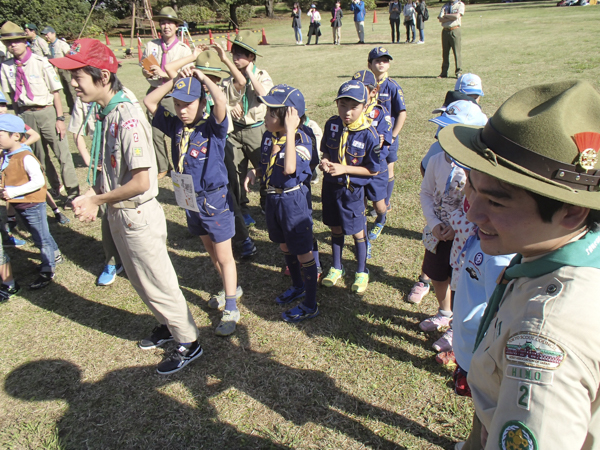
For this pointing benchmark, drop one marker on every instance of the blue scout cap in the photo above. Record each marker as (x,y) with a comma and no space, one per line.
(366,77)
(463,112)
(12,124)
(2,97)
(47,30)
(353,89)
(187,90)
(469,83)
(283,95)
(378,52)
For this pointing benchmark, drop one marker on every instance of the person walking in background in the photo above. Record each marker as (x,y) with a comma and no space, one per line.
(395,8)
(314,28)
(358,8)
(409,21)
(422,16)
(36,43)
(336,23)
(58,48)
(296,23)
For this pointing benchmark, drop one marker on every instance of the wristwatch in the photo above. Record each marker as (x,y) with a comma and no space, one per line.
(61,118)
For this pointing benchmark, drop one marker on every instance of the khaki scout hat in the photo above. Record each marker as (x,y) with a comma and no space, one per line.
(167,13)
(11,31)
(544,139)
(247,39)
(210,63)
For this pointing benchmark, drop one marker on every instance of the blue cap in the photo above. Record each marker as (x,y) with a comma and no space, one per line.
(366,77)
(463,112)
(378,52)
(187,90)
(2,97)
(353,89)
(12,124)
(283,95)
(469,83)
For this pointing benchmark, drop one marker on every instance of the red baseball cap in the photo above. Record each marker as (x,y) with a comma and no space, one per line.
(88,52)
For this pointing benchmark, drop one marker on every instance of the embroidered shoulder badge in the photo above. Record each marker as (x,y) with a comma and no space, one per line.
(130,124)
(534,351)
(516,435)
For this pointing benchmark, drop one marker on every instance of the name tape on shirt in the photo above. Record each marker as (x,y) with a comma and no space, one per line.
(358,144)
(130,124)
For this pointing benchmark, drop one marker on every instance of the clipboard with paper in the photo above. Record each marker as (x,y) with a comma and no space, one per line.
(183,186)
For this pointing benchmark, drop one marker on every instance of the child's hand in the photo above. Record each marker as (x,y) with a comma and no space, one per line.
(237,112)
(199,74)
(323,165)
(220,51)
(3,194)
(250,179)
(437,232)
(146,73)
(335,169)
(156,70)
(199,49)
(291,119)
(186,72)
(249,68)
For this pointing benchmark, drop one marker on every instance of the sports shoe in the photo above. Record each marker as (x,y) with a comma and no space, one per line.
(58,259)
(160,336)
(61,218)
(291,294)
(361,281)
(249,221)
(369,249)
(43,280)
(333,277)
(444,344)
(68,204)
(218,301)
(446,359)
(418,291)
(435,322)
(228,322)
(248,249)
(442,76)
(8,292)
(375,231)
(109,274)
(13,242)
(421,42)
(299,313)
(179,358)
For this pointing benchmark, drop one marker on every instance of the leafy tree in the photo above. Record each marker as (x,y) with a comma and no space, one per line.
(196,14)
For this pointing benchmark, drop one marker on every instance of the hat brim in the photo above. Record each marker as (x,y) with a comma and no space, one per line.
(67,63)
(247,47)
(13,38)
(457,141)
(171,18)
(220,73)
(270,101)
(443,121)
(472,92)
(439,110)
(184,97)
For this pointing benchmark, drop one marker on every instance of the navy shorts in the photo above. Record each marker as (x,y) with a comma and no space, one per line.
(393,155)
(215,217)
(377,189)
(437,265)
(343,207)
(289,220)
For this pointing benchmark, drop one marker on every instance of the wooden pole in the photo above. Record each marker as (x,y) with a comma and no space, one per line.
(87,19)
(132,24)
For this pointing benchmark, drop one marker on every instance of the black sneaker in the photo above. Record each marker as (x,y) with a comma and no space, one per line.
(179,358)
(8,292)
(61,218)
(58,259)
(160,336)
(68,204)
(248,249)
(43,280)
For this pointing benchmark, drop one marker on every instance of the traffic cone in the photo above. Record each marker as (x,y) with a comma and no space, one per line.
(211,41)
(122,40)
(237,31)
(106,36)
(228,43)
(374,16)
(187,42)
(139,49)
(159,36)
(264,38)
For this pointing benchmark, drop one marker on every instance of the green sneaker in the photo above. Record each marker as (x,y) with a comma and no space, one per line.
(218,301)
(361,281)
(228,323)
(333,276)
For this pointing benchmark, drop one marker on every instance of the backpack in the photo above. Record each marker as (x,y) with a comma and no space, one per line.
(426,14)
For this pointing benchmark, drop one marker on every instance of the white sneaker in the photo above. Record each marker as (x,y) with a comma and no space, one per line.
(421,42)
(228,322)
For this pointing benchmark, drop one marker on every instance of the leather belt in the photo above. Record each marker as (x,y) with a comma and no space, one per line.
(272,190)
(451,28)
(32,108)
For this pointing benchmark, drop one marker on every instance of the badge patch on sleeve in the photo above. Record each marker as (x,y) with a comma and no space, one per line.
(113,129)
(137,151)
(130,124)
(334,128)
(534,351)
(516,436)
(194,153)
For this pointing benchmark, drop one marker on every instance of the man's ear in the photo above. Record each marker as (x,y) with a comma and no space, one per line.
(571,217)
(105,77)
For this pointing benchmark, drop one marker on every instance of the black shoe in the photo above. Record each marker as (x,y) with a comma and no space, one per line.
(179,358)
(248,249)
(57,260)
(441,75)
(68,204)
(8,292)
(61,218)
(43,280)
(160,336)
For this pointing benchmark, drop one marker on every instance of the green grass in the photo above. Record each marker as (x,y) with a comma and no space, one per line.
(361,374)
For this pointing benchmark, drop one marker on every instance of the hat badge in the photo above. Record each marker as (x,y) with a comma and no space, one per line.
(180,84)
(451,111)
(75,48)
(588,144)
(206,64)
(382,50)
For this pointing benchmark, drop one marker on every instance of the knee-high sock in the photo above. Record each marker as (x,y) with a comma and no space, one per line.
(337,244)
(310,282)
(390,189)
(315,252)
(361,254)
(381,218)
(294,266)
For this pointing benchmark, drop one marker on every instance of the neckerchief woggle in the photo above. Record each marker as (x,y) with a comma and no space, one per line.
(362,123)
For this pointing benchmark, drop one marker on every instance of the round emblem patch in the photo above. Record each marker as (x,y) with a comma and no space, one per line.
(516,436)
(478,258)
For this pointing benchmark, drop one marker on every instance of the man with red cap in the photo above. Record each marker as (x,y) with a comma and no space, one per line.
(127,183)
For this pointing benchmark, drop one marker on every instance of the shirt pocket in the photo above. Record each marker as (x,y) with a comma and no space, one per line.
(134,219)
(355,153)
(215,204)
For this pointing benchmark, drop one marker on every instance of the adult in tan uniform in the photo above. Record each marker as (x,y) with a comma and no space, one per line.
(33,85)
(59,48)
(38,45)
(450,18)
(535,373)
(243,143)
(127,183)
(166,49)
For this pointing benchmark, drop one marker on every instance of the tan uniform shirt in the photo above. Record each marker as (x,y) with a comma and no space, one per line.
(535,376)
(180,50)
(256,110)
(2,52)
(39,46)
(42,78)
(127,145)
(452,8)
(60,48)
(233,98)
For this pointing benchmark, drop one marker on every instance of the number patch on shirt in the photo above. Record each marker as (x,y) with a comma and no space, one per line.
(524,395)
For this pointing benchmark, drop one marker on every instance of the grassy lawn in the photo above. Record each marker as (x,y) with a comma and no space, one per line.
(360,375)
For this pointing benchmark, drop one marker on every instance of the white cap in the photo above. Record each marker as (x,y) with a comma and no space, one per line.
(469,83)
(461,111)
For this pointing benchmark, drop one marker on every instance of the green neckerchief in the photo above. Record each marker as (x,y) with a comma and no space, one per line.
(584,252)
(306,121)
(209,104)
(119,97)
(245,97)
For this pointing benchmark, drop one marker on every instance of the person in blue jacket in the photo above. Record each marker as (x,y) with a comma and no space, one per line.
(358,8)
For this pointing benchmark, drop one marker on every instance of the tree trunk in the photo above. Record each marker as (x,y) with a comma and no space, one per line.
(269,5)
(233,16)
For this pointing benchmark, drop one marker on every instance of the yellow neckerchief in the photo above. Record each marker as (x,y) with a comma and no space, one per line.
(379,83)
(370,108)
(362,123)
(273,157)
(184,143)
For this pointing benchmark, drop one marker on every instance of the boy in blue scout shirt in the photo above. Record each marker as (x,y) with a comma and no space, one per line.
(376,190)
(284,168)
(350,148)
(391,96)
(199,151)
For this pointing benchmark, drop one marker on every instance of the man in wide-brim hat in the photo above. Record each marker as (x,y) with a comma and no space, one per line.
(535,181)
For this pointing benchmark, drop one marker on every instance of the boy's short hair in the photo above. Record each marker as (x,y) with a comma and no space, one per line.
(96,74)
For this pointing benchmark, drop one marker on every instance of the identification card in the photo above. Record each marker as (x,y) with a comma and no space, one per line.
(185,196)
